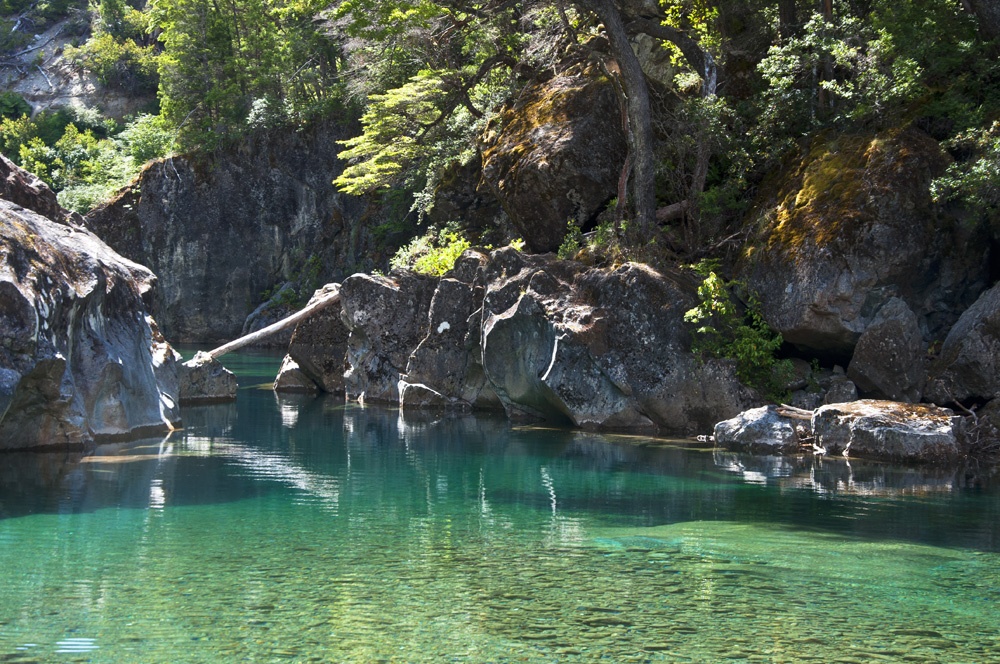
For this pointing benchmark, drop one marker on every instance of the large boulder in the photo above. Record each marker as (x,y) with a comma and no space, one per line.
(222,231)
(445,369)
(889,361)
(80,358)
(850,226)
(760,430)
(888,430)
(556,154)
(387,319)
(968,365)
(319,345)
(27,190)
(599,348)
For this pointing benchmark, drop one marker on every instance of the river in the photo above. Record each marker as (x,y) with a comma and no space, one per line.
(300,528)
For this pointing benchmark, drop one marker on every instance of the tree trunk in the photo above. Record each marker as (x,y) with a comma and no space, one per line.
(331,298)
(640,135)
(787,19)
(987,12)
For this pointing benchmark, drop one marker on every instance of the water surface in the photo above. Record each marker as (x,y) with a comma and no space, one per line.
(303,529)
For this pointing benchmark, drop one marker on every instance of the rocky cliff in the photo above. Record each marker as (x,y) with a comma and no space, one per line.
(80,357)
(223,230)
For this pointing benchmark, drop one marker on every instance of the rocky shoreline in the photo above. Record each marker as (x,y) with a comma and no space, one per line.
(604,349)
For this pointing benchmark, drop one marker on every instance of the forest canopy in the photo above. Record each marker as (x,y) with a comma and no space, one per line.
(421,80)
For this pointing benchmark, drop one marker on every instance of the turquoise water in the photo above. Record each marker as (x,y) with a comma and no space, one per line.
(302,529)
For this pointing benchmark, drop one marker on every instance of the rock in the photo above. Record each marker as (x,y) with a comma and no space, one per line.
(602,349)
(80,358)
(850,227)
(840,389)
(888,430)
(889,361)
(29,191)
(541,337)
(387,319)
(556,153)
(276,308)
(221,230)
(759,430)
(448,360)
(291,378)
(319,345)
(203,378)
(968,365)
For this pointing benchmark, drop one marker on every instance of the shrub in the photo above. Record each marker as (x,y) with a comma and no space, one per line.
(433,253)
(724,331)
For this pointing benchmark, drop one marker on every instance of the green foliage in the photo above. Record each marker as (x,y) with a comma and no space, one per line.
(222,57)
(725,331)
(572,242)
(13,105)
(976,180)
(433,253)
(120,64)
(393,126)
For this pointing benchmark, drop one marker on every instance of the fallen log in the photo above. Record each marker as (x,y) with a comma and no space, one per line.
(332,297)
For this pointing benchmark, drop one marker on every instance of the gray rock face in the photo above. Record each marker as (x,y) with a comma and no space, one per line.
(968,366)
(448,360)
(759,430)
(558,155)
(852,226)
(291,378)
(543,338)
(319,345)
(220,234)
(80,358)
(203,378)
(889,361)
(888,430)
(387,318)
(27,190)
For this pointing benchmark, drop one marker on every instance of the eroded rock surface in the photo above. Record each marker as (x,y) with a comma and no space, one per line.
(80,358)
(543,338)
(968,365)
(876,429)
(852,226)
(556,154)
(204,378)
(221,233)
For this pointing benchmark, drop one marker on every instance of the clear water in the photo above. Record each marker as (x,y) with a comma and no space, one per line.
(301,529)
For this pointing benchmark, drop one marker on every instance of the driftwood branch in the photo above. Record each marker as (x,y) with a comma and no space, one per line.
(794,413)
(323,302)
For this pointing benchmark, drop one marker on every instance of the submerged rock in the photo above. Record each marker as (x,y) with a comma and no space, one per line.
(80,358)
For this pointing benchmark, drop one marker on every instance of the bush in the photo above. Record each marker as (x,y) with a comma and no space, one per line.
(433,253)
(725,332)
